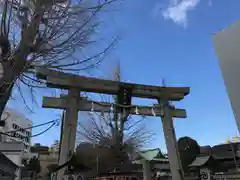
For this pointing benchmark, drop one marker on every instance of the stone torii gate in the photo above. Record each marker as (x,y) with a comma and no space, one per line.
(72,103)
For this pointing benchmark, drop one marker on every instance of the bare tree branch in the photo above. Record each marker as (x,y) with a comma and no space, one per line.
(121,134)
(56,34)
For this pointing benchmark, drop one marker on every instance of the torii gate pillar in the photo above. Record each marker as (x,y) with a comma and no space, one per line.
(69,130)
(171,142)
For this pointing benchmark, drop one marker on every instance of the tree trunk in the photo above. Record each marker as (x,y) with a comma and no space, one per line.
(13,67)
(10,74)
(6,85)
(5,93)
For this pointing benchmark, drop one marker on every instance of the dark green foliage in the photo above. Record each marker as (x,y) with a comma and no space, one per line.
(52,167)
(105,156)
(77,164)
(33,165)
(188,149)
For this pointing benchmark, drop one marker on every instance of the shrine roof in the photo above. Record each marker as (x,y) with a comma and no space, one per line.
(151,155)
(200,161)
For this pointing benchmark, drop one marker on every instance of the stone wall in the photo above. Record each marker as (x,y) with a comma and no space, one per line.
(227,176)
(45,161)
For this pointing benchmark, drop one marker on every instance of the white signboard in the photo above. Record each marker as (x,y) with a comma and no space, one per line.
(205,174)
(227,48)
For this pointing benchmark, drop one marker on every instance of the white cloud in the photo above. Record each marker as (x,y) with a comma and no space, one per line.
(210,3)
(177,11)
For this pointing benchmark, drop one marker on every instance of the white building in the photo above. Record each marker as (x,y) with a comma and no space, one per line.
(226,45)
(235,139)
(17,124)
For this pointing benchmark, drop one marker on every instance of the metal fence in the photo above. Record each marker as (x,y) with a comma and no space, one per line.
(226,177)
(233,176)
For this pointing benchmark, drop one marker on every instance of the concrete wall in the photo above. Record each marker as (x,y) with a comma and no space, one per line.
(45,161)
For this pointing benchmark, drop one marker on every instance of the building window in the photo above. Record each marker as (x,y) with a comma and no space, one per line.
(26,147)
(28,133)
(28,140)
(15,126)
(14,134)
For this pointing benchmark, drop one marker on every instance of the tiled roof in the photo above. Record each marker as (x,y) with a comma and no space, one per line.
(200,161)
(3,157)
(218,152)
(223,151)
(223,155)
(151,154)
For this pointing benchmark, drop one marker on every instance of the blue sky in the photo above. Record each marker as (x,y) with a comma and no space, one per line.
(171,40)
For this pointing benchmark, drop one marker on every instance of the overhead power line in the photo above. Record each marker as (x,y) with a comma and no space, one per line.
(54,122)
(31,127)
